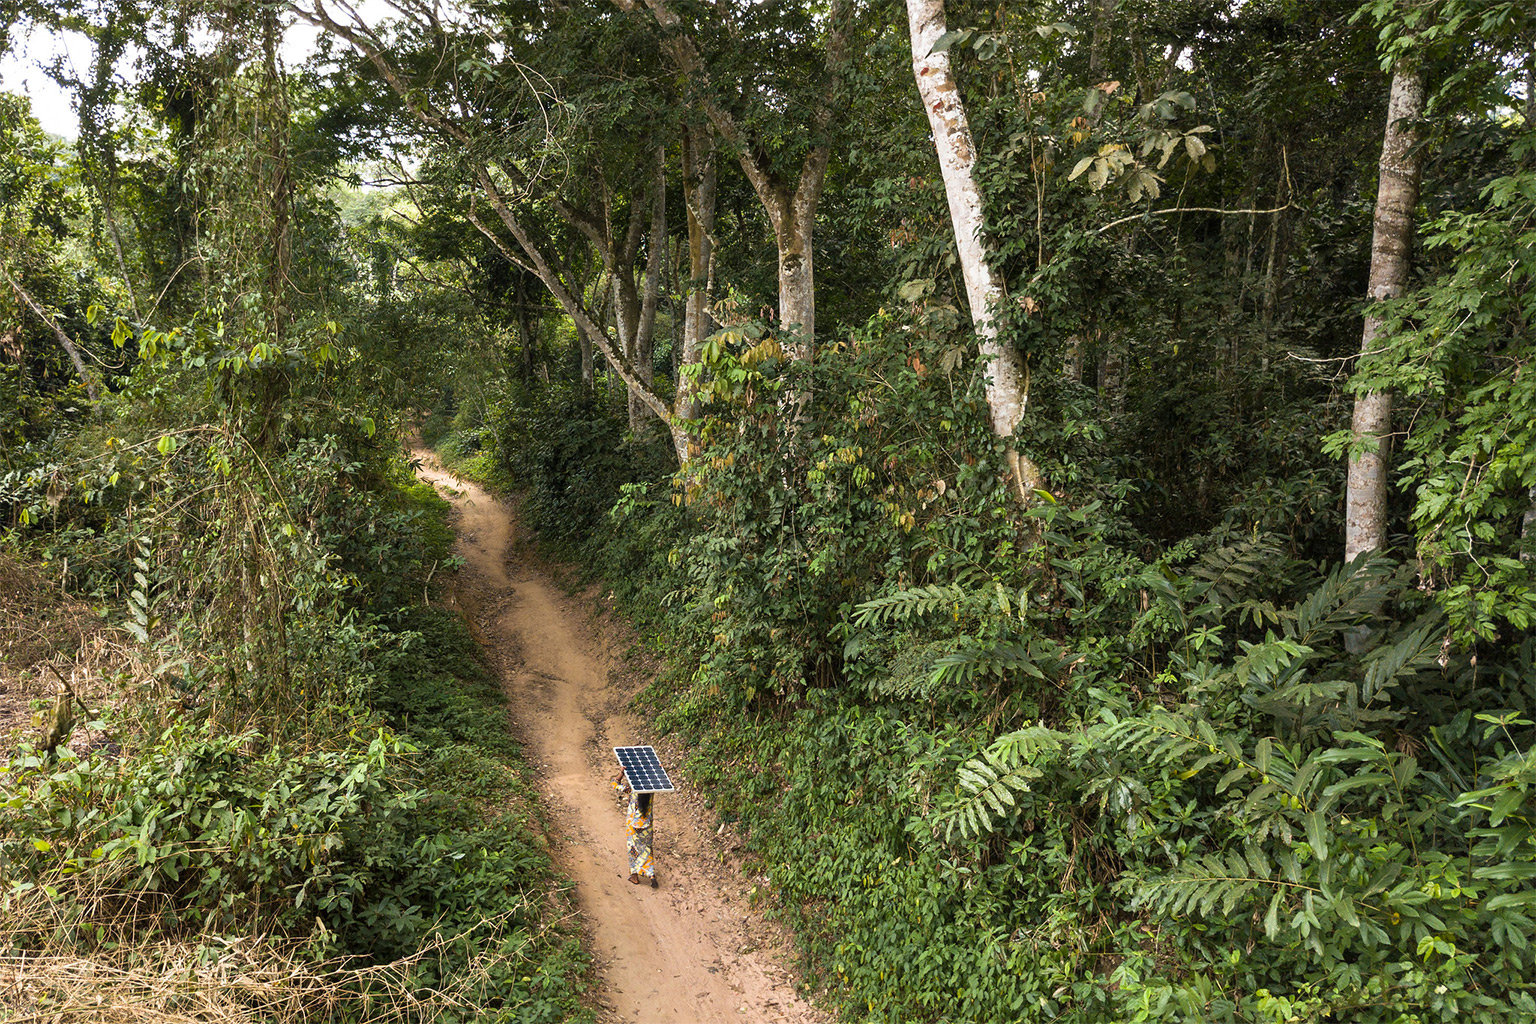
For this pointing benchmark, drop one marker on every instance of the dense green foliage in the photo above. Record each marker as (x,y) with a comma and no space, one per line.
(1005,769)
(1146,750)
(1130,745)
(297,752)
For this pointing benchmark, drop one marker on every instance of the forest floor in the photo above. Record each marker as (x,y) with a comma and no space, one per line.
(692,950)
(47,636)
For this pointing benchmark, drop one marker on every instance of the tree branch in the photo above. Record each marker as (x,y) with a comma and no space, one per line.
(58,332)
(575,309)
(1187,209)
(429,115)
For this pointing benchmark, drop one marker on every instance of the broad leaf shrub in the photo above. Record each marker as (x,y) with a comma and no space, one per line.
(1005,766)
(388,822)
(1291,833)
(213,831)
(374,849)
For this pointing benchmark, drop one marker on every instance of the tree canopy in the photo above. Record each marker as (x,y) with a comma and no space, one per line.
(1074,458)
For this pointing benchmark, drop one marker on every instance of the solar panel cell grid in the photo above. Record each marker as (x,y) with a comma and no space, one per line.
(643,769)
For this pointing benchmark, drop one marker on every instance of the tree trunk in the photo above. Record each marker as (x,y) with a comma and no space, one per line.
(1528,524)
(621,268)
(1112,378)
(1098,47)
(793,216)
(107,195)
(1365,527)
(588,368)
(677,302)
(279,186)
(530,341)
(1008,377)
(58,332)
(626,310)
(1276,258)
(1073,365)
(540,261)
(699,190)
(655,266)
(791,211)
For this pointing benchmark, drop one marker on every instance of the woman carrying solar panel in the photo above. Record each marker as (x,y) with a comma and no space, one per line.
(642,776)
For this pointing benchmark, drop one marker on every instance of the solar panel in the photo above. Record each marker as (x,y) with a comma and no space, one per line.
(643,770)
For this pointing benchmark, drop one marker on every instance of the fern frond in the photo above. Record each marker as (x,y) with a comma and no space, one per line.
(1213,883)
(908,673)
(988,783)
(1024,745)
(1387,664)
(1202,884)
(1231,573)
(1265,664)
(995,658)
(905,605)
(1350,594)
(1161,737)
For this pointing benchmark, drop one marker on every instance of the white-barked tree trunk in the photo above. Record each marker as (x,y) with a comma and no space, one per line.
(1365,523)
(1008,377)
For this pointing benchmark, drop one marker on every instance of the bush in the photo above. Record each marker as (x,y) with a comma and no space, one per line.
(365,806)
(1027,766)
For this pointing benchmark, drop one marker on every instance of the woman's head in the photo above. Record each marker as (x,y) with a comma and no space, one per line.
(644,802)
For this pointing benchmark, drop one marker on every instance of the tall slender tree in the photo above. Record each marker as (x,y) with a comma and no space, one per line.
(789,196)
(1007,375)
(1365,527)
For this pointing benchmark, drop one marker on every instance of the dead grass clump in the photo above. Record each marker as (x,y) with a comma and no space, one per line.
(49,974)
(46,635)
(49,640)
(247,980)
(80,948)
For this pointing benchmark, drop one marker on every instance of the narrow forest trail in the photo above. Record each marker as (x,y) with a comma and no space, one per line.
(690,952)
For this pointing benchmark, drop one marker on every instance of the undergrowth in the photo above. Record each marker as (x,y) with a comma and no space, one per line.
(1032,766)
(384,843)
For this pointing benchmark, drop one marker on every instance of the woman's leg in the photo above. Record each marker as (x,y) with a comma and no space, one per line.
(642,865)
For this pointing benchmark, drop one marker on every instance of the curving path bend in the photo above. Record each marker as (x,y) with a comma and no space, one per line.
(690,952)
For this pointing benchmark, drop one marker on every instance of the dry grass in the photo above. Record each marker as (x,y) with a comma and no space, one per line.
(38,622)
(87,946)
(83,944)
(254,979)
(250,980)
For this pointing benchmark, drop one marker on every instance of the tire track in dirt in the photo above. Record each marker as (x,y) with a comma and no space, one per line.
(688,953)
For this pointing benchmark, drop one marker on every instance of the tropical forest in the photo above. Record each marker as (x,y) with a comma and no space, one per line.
(811,511)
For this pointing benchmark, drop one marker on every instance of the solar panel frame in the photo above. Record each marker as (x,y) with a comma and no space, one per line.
(643,770)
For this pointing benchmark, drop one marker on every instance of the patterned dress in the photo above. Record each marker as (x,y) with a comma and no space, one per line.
(637,827)
(637,831)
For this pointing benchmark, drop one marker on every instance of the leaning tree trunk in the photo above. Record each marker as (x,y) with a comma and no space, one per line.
(1365,526)
(1008,380)
(58,332)
(626,297)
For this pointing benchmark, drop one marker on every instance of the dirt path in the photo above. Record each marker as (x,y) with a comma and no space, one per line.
(690,952)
